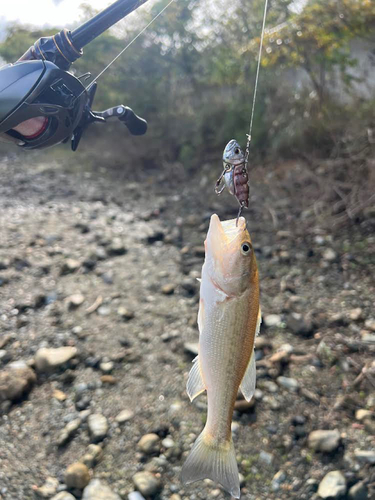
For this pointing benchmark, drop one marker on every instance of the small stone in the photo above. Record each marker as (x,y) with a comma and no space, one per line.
(168,443)
(324,441)
(266,458)
(124,416)
(93,455)
(107,367)
(98,427)
(96,490)
(277,480)
(363,414)
(68,432)
(191,348)
(366,456)
(117,247)
(288,383)
(16,381)
(244,406)
(146,483)
(77,476)
(125,313)
(168,289)
(333,485)
(356,314)
(70,266)
(269,386)
(299,325)
(75,300)
(325,353)
(49,360)
(271,320)
(59,395)
(104,311)
(358,492)
(329,255)
(135,495)
(370,324)
(63,495)
(108,379)
(48,489)
(280,357)
(149,444)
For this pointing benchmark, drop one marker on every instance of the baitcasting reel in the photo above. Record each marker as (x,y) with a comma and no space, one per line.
(43,104)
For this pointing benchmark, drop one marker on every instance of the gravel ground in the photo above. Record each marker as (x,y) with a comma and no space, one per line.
(106,268)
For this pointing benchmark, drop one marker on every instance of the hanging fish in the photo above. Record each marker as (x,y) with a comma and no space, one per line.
(234,176)
(228,320)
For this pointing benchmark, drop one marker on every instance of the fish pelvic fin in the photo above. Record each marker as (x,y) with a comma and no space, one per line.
(249,379)
(195,384)
(216,461)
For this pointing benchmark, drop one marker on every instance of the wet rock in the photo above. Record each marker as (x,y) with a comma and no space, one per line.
(168,289)
(300,325)
(365,456)
(63,495)
(333,485)
(48,489)
(191,348)
(271,320)
(77,476)
(68,432)
(149,444)
(358,492)
(70,266)
(125,314)
(49,360)
(124,416)
(117,248)
(146,483)
(98,427)
(16,381)
(288,383)
(324,441)
(92,456)
(96,490)
(75,300)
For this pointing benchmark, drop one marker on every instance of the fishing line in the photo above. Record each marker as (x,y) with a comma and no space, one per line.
(125,48)
(256,83)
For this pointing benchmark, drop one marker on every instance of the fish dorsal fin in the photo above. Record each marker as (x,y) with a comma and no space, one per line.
(195,385)
(249,379)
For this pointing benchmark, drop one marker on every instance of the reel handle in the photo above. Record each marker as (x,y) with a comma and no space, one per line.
(135,124)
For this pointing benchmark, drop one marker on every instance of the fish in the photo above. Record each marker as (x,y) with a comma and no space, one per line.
(236,178)
(229,319)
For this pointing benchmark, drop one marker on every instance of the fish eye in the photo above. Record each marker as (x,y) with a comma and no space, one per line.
(237,151)
(246,248)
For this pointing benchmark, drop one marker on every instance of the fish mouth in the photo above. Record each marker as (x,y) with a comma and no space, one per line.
(222,236)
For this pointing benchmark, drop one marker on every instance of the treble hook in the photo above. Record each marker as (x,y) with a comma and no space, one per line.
(218,189)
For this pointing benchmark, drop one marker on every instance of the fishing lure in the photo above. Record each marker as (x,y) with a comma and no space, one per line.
(234,176)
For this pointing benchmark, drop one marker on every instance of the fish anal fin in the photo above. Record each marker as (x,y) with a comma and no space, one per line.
(195,384)
(249,379)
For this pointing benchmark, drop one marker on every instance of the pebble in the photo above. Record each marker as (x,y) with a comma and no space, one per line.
(300,325)
(125,313)
(68,432)
(146,483)
(63,495)
(104,311)
(98,427)
(107,367)
(363,414)
(367,456)
(168,442)
(288,383)
(370,324)
(329,255)
(356,314)
(75,300)
(191,348)
(48,489)
(333,485)
(168,289)
(93,455)
(124,416)
(16,381)
(265,457)
(77,476)
(49,360)
(108,379)
(96,490)
(135,495)
(272,320)
(244,406)
(149,444)
(269,386)
(117,247)
(277,480)
(70,266)
(324,441)
(358,492)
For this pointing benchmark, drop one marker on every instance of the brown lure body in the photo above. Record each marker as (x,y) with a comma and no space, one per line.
(241,185)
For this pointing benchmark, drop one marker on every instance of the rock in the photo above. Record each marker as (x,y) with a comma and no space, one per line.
(68,432)
(48,489)
(288,383)
(75,300)
(300,325)
(96,490)
(135,495)
(329,255)
(124,416)
(333,485)
(63,495)
(370,324)
(154,236)
(125,314)
(107,367)
(366,456)
(272,320)
(146,483)
(244,406)
(104,311)
(59,395)
(49,360)
(324,441)
(168,442)
(358,492)
(168,289)
(98,427)
(269,386)
(108,379)
(325,353)
(149,444)
(116,248)
(364,414)
(93,455)
(266,458)
(16,381)
(191,348)
(356,314)
(77,476)
(70,266)
(277,480)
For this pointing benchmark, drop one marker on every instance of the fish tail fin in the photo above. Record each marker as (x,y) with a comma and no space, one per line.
(216,461)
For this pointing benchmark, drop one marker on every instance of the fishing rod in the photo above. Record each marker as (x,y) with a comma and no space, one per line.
(42,103)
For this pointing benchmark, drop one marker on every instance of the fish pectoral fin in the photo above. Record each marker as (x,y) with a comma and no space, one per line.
(259,322)
(195,385)
(249,379)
